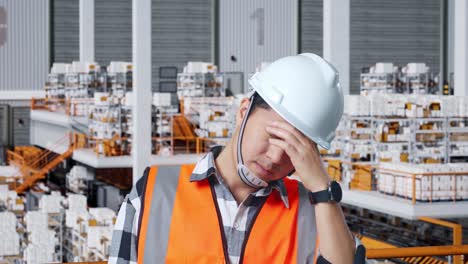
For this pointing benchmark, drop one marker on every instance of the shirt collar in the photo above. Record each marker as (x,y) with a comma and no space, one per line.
(206,168)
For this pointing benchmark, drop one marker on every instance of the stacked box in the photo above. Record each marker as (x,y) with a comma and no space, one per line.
(10,199)
(38,254)
(391,105)
(99,237)
(8,233)
(214,116)
(356,105)
(42,241)
(74,218)
(396,179)
(162,99)
(35,220)
(457,106)
(103,216)
(77,202)
(51,203)
(200,79)
(76,179)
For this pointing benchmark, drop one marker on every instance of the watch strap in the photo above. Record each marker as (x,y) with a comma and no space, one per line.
(320,196)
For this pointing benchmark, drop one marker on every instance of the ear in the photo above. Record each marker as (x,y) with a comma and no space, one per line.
(243,107)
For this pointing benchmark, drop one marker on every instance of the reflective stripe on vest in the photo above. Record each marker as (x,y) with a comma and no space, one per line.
(179,223)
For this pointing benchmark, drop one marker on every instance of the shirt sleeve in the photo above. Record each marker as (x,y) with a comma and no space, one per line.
(124,243)
(123,246)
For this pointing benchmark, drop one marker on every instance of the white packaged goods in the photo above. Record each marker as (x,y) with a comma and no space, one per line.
(96,235)
(8,195)
(42,241)
(98,225)
(76,179)
(128,99)
(383,67)
(8,233)
(103,216)
(3,190)
(38,254)
(36,220)
(10,199)
(214,115)
(59,68)
(200,67)
(459,149)
(78,172)
(457,106)
(102,99)
(11,245)
(51,203)
(84,67)
(414,68)
(77,202)
(388,105)
(200,79)
(43,237)
(396,179)
(161,99)
(73,218)
(356,105)
(7,221)
(119,67)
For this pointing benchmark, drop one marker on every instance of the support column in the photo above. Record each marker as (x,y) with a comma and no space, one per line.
(87,30)
(142,92)
(461,47)
(336,22)
(444,42)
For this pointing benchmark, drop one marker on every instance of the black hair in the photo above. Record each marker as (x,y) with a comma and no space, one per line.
(259,102)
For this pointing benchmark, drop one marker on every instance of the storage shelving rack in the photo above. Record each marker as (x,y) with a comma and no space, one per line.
(429,142)
(390,137)
(457,133)
(378,83)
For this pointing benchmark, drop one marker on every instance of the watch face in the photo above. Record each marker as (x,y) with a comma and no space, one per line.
(336,192)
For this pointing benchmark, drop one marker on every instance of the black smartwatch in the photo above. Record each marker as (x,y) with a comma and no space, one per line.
(332,194)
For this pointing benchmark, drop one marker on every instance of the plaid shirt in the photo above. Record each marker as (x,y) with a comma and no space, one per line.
(236,218)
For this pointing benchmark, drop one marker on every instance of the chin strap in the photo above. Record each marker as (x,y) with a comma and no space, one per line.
(245,174)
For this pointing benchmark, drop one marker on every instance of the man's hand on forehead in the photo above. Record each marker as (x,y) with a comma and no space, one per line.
(302,152)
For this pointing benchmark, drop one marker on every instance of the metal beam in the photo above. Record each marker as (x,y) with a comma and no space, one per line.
(461,48)
(336,36)
(443,46)
(386,253)
(142,92)
(87,30)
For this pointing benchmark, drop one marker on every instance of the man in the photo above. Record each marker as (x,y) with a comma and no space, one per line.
(236,205)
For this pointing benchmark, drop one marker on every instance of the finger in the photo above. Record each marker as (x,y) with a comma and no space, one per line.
(298,134)
(290,150)
(283,134)
(316,149)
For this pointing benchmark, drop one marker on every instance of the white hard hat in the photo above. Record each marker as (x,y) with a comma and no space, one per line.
(305,91)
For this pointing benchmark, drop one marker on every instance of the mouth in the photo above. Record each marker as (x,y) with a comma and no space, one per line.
(263,171)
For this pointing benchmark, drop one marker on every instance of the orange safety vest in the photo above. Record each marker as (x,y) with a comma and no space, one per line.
(180,222)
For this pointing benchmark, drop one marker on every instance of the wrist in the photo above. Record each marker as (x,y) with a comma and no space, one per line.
(317,185)
(332,193)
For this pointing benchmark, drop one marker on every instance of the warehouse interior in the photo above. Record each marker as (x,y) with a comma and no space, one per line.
(94,91)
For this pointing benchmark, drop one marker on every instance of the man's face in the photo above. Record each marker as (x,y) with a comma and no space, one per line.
(266,161)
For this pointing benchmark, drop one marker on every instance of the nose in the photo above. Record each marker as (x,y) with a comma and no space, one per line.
(275,154)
